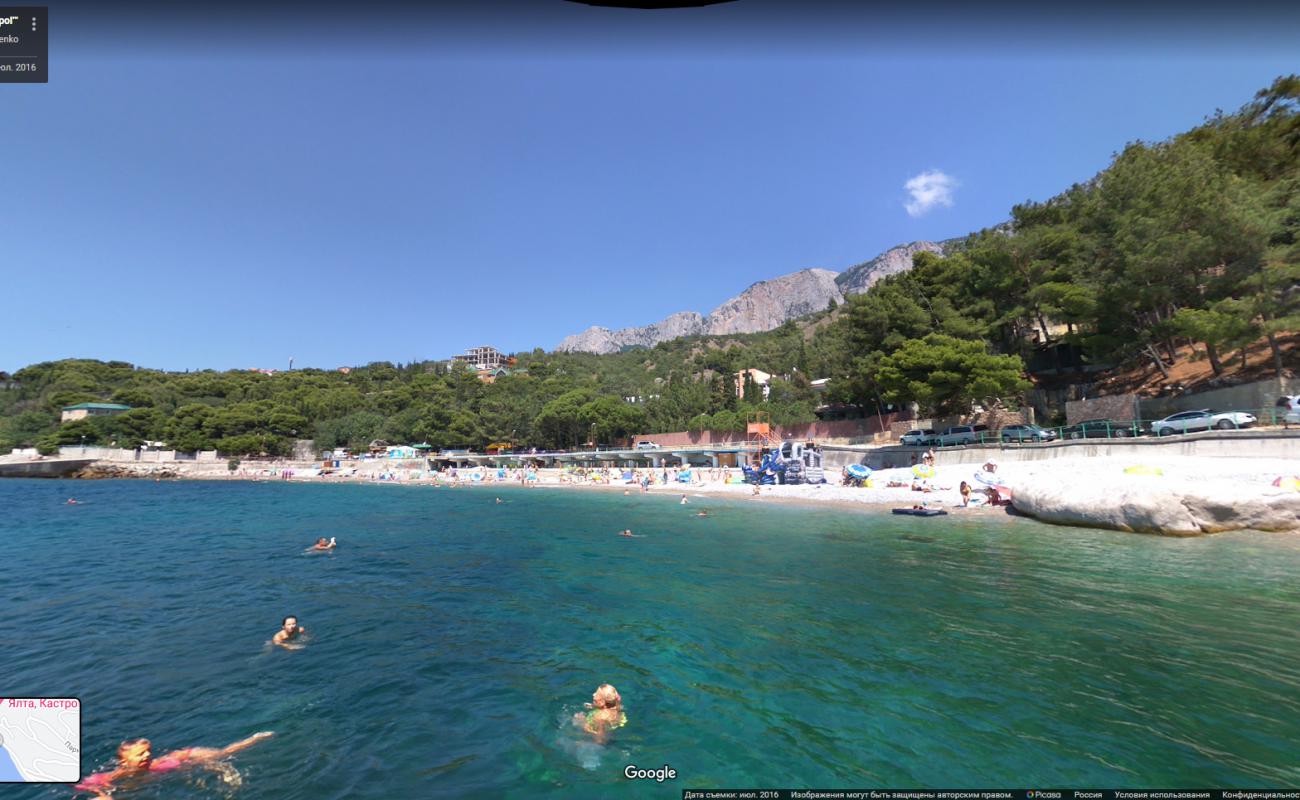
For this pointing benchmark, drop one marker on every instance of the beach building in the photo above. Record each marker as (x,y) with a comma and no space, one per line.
(483,358)
(83,410)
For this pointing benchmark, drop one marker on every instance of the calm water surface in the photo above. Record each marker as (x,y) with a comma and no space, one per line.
(765,645)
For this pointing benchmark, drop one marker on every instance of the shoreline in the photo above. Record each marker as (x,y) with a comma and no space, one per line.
(1172,494)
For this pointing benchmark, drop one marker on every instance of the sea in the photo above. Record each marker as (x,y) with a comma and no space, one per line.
(452,638)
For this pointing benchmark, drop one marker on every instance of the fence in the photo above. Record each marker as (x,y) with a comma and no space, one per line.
(1118,428)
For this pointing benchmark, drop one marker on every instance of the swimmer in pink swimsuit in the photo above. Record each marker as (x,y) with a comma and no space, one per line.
(135,759)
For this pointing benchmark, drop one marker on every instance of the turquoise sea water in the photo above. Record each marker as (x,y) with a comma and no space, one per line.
(765,646)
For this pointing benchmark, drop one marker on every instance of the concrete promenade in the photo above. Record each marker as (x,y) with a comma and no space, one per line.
(1223,444)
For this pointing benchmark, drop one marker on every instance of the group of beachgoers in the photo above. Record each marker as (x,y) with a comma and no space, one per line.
(136,764)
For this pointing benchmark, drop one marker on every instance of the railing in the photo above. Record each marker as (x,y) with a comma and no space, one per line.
(1113,429)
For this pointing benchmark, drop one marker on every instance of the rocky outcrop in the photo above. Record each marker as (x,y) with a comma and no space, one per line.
(604,340)
(767,304)
(102,471)
(1173,508)
(858,279)
(761,307)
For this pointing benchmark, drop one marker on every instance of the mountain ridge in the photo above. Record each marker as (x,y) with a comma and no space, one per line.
(762,306)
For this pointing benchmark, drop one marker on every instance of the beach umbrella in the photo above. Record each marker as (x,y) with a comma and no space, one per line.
(923,471)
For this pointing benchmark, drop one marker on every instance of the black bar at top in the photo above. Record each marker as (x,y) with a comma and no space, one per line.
(991,794)
(24,44)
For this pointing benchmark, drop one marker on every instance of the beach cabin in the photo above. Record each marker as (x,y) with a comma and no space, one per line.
(83,410)
(402,451)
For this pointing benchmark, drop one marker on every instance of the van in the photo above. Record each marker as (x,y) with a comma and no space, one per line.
(957,435)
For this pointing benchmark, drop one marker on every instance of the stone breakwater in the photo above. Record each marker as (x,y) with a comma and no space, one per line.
(1153,504)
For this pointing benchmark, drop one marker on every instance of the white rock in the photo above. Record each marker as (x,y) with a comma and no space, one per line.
(1156,504)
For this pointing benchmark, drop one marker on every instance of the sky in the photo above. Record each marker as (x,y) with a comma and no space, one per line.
(235,185)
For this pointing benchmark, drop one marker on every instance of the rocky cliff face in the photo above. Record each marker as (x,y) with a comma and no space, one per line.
(604,340)
(856,280)
(761,307)
(767,304)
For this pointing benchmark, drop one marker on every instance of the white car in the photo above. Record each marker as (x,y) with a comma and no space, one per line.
(1202,420)
(918,438)
(647,446)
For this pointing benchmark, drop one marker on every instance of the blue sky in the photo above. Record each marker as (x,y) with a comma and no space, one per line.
(195,199)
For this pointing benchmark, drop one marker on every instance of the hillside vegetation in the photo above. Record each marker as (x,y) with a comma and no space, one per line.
(1181,246)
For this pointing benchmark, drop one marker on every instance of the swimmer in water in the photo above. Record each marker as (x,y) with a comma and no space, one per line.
(605,713)
(702,514)
(684,500)
(627,532)
(322,544)
(499,501)
(135,760)
(288,634)
(72,502)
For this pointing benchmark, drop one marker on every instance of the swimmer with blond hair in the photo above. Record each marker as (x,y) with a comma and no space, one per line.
(604,715)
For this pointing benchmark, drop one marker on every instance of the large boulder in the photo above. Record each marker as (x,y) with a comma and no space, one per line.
(1154,504)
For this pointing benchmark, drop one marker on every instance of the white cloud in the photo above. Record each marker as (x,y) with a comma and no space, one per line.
(929,189)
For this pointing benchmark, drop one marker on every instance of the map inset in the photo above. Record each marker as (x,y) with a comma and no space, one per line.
(40,740)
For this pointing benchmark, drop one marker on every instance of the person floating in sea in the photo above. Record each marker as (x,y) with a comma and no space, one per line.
(135,760)
(499,501)
(605,713)
(73,501)
(289,633)
(323,544)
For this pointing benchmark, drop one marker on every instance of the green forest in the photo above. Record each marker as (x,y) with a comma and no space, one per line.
(1188,240)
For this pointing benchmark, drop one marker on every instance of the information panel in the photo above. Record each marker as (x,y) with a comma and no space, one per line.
(40,740)
(24,44)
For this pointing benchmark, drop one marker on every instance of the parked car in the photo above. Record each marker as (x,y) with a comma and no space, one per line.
(957,435)
(1027,433)
(919,438)
(1291,404)
(1099,429)
(647,446)
(1202,420)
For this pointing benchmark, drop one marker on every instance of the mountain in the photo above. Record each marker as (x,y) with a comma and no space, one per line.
(857,279)
(767,304)
(761,307)
(604,340)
